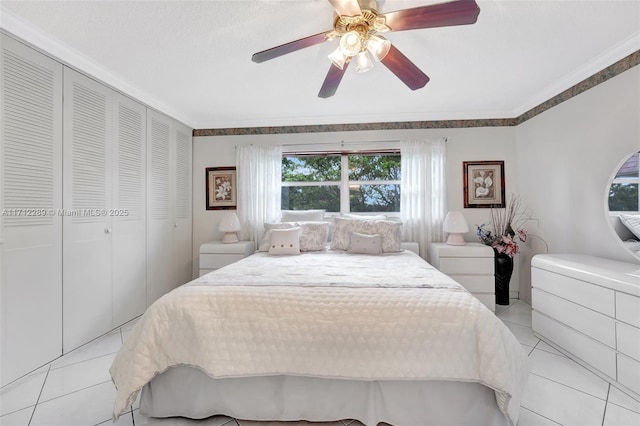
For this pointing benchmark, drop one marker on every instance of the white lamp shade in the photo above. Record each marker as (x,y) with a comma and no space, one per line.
(455,224)
(364,62)
(338,58)
(230,224)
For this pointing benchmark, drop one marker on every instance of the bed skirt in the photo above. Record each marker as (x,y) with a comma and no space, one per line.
(188,392)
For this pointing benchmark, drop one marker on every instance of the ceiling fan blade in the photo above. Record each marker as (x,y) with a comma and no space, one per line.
(332,81)
(460,12)
(404,69)
(346,7)
(283,49)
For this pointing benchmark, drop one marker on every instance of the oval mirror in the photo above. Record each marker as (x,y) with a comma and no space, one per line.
(624,203)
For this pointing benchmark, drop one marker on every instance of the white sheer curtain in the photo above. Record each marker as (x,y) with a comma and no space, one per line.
(259,175)
(423,191)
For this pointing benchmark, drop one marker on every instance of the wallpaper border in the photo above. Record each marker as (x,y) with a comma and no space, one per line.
(611,71)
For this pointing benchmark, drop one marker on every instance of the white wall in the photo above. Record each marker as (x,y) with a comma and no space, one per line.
(469,144)
(565,159)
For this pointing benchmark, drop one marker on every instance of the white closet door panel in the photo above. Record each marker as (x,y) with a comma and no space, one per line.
(87,225)
(159,207)
(129,210)
(182,246)
(31,193)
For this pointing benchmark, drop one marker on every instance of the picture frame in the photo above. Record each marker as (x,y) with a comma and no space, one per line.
(483,184)
(221,188)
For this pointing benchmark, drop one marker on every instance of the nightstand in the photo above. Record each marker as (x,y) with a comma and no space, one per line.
(472,265)
(215,255)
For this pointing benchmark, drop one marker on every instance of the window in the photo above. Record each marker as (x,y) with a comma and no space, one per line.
(625,188)
(357,183)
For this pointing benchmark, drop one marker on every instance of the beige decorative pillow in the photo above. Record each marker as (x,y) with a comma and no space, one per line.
(266,237)
(390,231)
(313,236)
(365,244)
(285,241)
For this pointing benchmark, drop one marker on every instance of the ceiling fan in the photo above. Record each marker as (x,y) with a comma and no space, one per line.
(358,25)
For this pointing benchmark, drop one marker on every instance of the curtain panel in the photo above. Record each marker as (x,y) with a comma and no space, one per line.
(423,191)
(259,174)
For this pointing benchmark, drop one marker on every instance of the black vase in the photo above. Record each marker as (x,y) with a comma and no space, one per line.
(503,270)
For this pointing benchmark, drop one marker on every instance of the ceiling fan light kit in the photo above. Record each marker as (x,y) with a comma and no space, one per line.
(357,25)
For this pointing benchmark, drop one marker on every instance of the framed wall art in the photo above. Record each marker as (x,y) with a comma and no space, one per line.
(483,184)
(221,188)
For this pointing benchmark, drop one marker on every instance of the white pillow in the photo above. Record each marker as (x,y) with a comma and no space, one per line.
(285,241)
(632,221)
(313,236)
(365,244)
(365,217)
(268,228)
(390,231)
(302,215)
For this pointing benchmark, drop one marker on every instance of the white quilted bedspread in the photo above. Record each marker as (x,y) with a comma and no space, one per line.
(327,314)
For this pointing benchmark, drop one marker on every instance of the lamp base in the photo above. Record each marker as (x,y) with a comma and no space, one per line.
(229,238)
(455,240)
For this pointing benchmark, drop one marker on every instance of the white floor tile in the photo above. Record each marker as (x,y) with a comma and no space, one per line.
(527,349)
(616,396)
(17,418)
(22,393)
(543,346)
(518,313)
(74,377)
(562,404)
(618,416)
(124,420)
(89,406)
(105,345)
(141,420)
(529,418)
(565,371)
(523,333)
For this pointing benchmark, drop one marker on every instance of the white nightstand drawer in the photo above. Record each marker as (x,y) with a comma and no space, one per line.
(215,261)
(476,283)
(489,300)
(467,265)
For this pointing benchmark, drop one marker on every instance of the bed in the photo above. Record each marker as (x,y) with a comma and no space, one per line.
(323,336)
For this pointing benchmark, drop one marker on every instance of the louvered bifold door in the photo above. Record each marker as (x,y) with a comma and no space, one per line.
(30,195)
(182,237)
(159,211)
(128,213)
(87,227)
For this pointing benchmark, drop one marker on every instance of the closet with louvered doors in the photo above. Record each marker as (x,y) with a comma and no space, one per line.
(30,194)
(168,205)
(104,199)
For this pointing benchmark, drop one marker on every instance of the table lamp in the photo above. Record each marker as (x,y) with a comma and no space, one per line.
(455,225)
(230,225)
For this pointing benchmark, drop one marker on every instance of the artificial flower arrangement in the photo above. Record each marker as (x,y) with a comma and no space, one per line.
(505,225)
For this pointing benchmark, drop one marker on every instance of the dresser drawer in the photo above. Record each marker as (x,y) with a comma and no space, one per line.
(594,297)
(628,308)
(585,320)
(628,340)
(629,373)
(215,261)
(588,350)
(466,265)
(476,283)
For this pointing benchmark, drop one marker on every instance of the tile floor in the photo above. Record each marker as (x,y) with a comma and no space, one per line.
(76,389)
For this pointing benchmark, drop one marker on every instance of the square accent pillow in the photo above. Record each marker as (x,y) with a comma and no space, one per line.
(365,244)
(302,216)
(313,236)
(632,221)
(285,241)
(268,228)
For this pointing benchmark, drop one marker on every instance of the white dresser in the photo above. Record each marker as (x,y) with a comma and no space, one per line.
(472,265)
(215,255)
(589,308)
